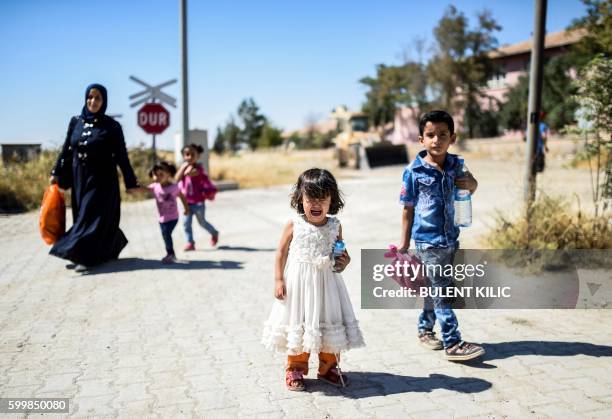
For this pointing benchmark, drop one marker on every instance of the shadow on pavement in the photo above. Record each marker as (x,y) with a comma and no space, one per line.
(245,249)
(505,350)
(137,264)
(372,384)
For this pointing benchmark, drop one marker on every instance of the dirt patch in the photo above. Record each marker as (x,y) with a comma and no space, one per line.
(520,321)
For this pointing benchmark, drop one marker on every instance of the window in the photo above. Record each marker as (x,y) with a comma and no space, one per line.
(498,80)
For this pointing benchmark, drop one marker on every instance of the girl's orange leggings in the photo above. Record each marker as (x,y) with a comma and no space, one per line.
(299,362)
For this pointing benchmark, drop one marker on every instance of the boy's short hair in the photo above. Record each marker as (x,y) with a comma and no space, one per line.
(163,165)
(437,116)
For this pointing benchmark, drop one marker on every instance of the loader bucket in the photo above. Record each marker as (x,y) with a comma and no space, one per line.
(386,155)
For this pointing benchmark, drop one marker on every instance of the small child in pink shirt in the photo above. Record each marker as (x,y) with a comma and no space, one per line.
(165,193)
(197,187)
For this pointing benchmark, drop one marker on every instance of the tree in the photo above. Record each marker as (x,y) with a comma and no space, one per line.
(270,136)
(380,105)
(597,25)
(253,130)
(252,123)
(558,83)
(513,112)
(231,135)
(220,142)
(557,87)
(461,65)
(594,88)
(394,86)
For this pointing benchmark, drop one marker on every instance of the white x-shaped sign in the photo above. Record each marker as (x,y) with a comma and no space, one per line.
(152,92)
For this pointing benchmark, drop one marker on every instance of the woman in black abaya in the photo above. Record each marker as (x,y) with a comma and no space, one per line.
(93,149)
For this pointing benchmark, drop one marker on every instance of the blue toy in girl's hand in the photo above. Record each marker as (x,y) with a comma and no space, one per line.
(338,250)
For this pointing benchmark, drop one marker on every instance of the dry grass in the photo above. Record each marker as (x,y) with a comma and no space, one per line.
(553,226)
(269,167)
(22,185)
(553,239)
(584,161)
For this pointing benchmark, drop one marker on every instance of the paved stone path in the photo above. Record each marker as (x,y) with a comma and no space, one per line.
(139,339)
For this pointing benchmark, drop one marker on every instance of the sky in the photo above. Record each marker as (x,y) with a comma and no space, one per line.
(298,60)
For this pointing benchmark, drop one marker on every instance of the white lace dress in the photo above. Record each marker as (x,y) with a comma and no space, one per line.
(316,314)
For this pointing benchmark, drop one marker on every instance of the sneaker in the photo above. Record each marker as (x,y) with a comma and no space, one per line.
(464,351)
(168,259)
(214,239)
(428,339)
(81,268)
(189,247)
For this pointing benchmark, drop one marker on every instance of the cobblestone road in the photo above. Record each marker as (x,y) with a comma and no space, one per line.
(139,339)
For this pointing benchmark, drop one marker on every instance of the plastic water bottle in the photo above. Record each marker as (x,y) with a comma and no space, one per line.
(463,201)
(338,251)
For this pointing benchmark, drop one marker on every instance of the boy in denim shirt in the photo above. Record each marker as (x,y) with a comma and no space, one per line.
(428,218)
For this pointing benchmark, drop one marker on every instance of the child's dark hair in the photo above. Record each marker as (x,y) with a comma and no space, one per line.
(193,147)
(317,184)
(163,165)
(437,116)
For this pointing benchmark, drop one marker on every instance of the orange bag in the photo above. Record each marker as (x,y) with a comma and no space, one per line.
(52,214)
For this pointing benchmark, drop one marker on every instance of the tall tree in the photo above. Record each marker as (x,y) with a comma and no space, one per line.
(270,136)
(461,65)
(557,87)
(379,104)
(597,24)
(394,86)
(594,88)
(220,143)
(252,122)
(232,136)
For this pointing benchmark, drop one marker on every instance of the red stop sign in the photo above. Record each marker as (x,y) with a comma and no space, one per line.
(153,118)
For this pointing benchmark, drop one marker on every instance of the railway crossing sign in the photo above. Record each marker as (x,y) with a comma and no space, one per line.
(153,118)
(152,93)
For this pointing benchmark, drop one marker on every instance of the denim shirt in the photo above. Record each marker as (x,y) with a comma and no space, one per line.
(432,193)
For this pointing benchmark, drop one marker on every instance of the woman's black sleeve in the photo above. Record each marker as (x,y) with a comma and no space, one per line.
(123,160)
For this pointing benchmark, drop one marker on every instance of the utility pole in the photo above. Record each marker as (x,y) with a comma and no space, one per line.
(184,72)
(535,102)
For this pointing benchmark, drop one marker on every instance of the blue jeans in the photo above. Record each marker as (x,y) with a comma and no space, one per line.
(449,325)
(197,210)
(166,230)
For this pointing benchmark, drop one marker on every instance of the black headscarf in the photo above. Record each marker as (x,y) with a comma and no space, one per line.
(85,113)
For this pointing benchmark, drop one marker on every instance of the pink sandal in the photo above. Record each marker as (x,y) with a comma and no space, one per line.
(294,380)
